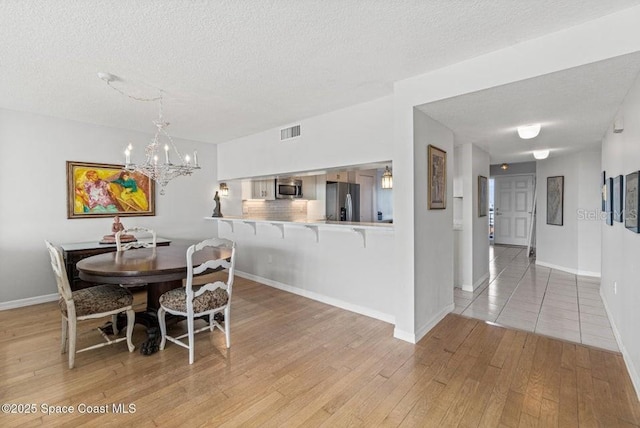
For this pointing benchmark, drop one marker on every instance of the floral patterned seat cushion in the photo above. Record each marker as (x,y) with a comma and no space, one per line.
(102,298)
(176,300)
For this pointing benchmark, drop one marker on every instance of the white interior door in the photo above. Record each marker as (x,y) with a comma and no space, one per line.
(366,197)
(513,206)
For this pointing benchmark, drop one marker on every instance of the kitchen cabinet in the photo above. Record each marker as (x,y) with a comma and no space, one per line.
(309,187)
(263,189)
(342,177)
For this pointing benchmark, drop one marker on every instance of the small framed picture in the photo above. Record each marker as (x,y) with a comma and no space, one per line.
(631,202)
(609,202)
(603,191)
(437,182)
(618,197)
(555,200)
(483,196)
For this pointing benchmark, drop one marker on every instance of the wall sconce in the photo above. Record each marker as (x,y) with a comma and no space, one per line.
(504,166)
(224,190)
(387,178)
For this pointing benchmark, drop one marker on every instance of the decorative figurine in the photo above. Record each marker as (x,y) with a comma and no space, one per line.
(216,209)
(115,228)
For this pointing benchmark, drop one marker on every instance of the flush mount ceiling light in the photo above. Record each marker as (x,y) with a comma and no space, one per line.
(387,178)
(504,166)
(529,131)
(541,154)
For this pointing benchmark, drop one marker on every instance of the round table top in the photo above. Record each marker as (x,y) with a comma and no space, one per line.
(144,265)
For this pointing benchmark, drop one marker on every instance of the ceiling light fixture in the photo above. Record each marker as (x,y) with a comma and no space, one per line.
(529,131)
(541,154)
(153,167)
(387,178)
(504,166)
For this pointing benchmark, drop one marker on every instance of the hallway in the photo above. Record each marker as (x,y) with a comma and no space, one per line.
(549,302)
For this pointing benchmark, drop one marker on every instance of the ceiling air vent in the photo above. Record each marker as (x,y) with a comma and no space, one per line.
(289,133)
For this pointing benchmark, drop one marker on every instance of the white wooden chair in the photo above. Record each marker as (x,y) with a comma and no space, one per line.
(88,303)
(208,299)
(136,231)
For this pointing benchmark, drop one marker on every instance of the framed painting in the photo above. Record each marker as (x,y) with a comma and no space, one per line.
(107,190)
(603,191)
(631,202)
(483,195)
(618,195)
(437,183)
(609,201)
(555,200)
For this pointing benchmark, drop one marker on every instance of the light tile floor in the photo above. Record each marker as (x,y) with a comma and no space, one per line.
(521,295)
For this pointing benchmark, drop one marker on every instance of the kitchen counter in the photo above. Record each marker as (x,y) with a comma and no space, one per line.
(360,228)
(318,223)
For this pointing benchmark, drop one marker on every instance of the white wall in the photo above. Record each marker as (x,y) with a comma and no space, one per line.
(472,256)
(33,154)
(621,247)
(351,136)
(337,270)
(479,166)
(574,246)
(433,256)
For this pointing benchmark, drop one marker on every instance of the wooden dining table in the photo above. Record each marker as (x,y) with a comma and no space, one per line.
(160,268)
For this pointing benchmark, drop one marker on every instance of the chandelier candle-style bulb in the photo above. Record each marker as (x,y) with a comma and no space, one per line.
(127,156)
(166,153)
(187,159)
(195,158)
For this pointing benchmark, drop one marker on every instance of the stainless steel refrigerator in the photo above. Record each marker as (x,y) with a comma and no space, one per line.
(343,202)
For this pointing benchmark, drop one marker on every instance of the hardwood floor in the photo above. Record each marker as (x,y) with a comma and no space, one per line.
(297,362)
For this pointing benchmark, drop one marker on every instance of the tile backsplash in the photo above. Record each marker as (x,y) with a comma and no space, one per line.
(283,210)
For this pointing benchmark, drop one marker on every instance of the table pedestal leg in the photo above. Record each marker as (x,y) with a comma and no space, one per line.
(149,317)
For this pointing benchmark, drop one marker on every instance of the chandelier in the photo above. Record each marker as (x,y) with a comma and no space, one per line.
(162,170)
(158,168)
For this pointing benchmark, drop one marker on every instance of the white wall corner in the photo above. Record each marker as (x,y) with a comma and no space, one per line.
(628,361)
(422,331)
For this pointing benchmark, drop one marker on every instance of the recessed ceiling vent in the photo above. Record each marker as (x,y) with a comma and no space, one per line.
(290,133)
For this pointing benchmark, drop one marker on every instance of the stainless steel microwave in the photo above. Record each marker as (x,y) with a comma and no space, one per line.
(288,188)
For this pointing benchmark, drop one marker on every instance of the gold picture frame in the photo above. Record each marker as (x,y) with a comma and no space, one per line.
(107,190)
(437,183)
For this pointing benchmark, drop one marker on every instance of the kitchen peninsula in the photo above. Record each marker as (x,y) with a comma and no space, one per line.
(284,244)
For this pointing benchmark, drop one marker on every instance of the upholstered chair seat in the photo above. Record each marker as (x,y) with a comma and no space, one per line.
(176,300)
(101,298)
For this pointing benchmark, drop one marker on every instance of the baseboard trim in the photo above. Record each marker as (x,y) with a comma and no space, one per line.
(422,331)
(569,270)
(628,362)
(29,301)
(320,297)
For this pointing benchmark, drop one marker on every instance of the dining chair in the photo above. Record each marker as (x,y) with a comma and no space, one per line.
(88,303)
(209,299)
(135,231)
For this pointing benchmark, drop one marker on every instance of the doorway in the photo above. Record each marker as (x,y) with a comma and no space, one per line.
(513,207)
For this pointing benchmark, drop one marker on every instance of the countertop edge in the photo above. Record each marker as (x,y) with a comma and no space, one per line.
(319,223)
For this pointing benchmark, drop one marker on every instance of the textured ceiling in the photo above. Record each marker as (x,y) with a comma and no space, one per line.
(575,108)
(233,68)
